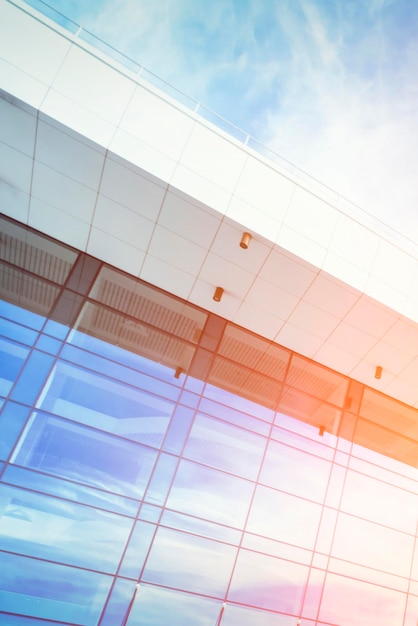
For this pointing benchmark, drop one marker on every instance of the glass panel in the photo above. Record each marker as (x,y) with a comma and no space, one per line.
(84,455)
(12,420)
(373,545)
(96,401)
(226,447)
(210,494)
(316,380)
(36,253)
(234,401)
(272,547)
(245,382)
(127,375)
(191,563)
(46,590)
(148,304)
(201,527)
(163,606)
(12,359)
(17,332)
(284,517)
(254,352)
(118,604)
(38,525)
(20,620)
(379,502)
(27,291)
(325,417)
(48,344)
(161,479)
(137,551)
(137,337)
(32,377)
(178,429)
(21,316)
(245,616)
(267,582)
(234,416)
(354,603)
(388,442)
(54,486)
(295,471)
(302,436)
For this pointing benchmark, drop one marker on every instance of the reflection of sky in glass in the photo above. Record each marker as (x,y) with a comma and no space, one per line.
(111,473)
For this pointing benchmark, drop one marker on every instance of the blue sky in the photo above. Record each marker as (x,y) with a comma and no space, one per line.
(332,85)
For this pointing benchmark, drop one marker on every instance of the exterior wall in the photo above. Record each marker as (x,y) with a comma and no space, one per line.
(116,472)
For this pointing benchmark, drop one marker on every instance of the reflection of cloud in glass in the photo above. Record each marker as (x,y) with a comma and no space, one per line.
(187,562)
(96,401)
(354,603)
(155,607)
(45,527)
(268,582)
(210,494)
(41,589)
(84,455)
(373,545)
(285,468)
(380,502)
(224,446)
(284,517)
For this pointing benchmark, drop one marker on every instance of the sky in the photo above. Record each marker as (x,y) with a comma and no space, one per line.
(331,85)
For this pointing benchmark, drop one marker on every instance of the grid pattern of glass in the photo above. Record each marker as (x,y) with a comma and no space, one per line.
(134,490)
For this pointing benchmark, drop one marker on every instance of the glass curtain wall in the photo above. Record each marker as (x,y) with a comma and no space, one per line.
(150,476)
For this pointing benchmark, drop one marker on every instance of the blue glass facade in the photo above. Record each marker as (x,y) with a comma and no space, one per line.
(145,442)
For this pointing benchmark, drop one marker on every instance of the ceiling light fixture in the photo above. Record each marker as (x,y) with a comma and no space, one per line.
(378,372)
(178,372)
(219,292)
(245,240)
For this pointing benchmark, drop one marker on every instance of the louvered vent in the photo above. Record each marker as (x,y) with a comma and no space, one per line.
(27,291)
(35,257)
(389,414)
(153,308)
(248,383)
(309,409)
(387,442)
(317,381)
(255,353)
(136,337)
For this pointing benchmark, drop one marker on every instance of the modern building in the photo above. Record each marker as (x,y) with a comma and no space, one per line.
(168,457)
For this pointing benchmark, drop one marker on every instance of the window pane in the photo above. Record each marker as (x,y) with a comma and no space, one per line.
(267,582)
(354,603)
(191,563)
(225,446)
(245,616)
(173,608)
(38,525)
(37,481)
(84,455)
(97,401)
(284,517)
(31,379)
(12,358)
(373,545)
(377,501)
(210,494)
(46,590)
(295,471)
(12,420)
(137,550)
